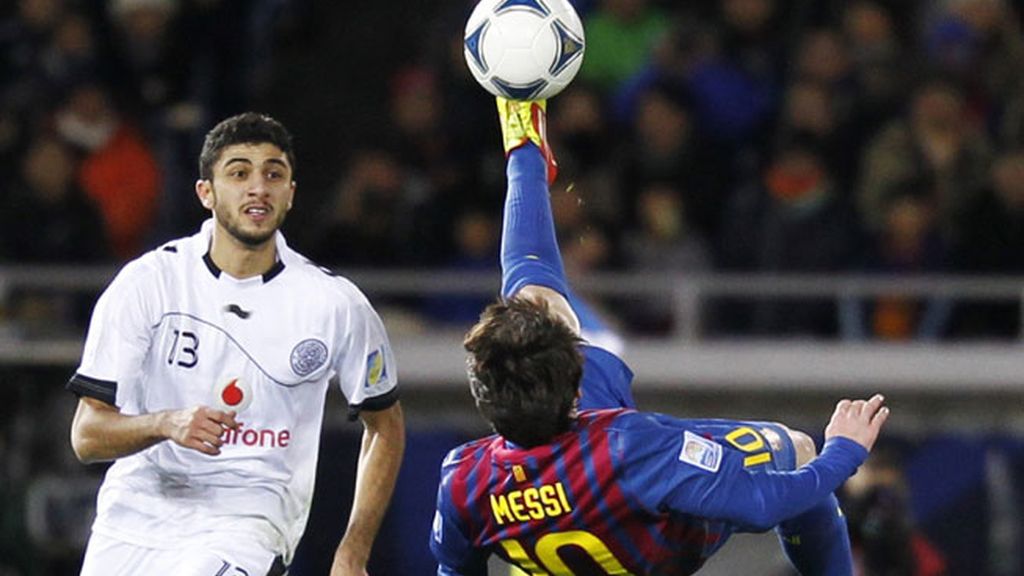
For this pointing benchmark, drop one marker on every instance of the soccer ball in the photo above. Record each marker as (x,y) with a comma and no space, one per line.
(524,49)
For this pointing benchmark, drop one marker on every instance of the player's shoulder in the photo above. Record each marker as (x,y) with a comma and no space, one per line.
(602,417)
(468,453)
(327,280)
(177,254)
(633,427)
(642,419)
(149,267)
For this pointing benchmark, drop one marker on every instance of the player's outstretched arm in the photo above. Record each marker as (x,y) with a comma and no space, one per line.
(379,461)
(763,499)
(849,437)
(100,432)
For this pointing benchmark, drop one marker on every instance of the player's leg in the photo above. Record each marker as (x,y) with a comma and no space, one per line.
(227,554)
(531,264)
(234,555)
(106,556)
(196,562)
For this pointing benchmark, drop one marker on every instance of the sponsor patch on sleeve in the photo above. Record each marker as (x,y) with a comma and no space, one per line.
(701,452)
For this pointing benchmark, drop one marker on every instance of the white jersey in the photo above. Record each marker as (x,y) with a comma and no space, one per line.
(173,331)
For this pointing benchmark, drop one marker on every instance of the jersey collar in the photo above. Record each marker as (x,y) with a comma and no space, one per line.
(267,276)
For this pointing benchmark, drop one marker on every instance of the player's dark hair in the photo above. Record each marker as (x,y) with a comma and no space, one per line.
(245,128)
(524,370)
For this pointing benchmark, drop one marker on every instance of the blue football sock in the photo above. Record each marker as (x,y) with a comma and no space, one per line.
(529,247)
(817,542)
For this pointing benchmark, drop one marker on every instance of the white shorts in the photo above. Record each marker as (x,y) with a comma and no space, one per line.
(106,556)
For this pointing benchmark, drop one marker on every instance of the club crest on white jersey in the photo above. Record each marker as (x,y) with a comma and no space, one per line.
(307,356)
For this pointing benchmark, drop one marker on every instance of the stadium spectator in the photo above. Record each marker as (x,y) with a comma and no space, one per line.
(440,181)
(736,87)
(978,44)
(620,36)
(204,374)
(462,99)
(581,130)
(567,439)
(820,101)
(47,218)
(994,234)
(910,242)
(882,69)
(662,242)
(823,56)
(374,218)
(665,148)
(750,38)
(795,199)
(475,247)
(25,35)
(118,170)
(935,141)
(418,142)
(152,57)
(813,111)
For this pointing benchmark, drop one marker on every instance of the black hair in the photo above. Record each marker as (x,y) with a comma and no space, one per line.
(246,128)
(524,370)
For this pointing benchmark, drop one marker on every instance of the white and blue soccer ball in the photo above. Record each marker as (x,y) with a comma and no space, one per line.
(524,49)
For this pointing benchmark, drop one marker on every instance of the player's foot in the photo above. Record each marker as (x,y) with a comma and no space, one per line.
(526,121)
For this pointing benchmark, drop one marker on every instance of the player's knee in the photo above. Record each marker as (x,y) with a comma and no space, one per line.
(803,445)
(558,304)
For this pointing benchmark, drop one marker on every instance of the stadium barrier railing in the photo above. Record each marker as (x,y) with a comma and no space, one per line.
(432,356)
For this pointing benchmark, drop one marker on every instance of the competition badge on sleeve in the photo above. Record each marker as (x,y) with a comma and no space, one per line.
(700,452)
(234,395)
(376,369)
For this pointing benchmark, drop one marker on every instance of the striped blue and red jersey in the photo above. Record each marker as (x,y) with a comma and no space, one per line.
(564,504)
(622,492)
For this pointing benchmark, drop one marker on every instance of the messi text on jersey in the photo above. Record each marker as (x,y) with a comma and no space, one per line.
(533,503)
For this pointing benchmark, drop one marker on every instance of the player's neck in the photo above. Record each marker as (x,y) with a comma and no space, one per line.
(241,260)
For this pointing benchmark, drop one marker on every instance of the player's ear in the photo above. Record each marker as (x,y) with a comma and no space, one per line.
(291,195)
(204,190)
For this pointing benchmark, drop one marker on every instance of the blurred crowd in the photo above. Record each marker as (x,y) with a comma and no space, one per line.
(754,136)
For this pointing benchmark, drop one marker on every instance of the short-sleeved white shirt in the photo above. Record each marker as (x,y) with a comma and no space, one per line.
(173,331)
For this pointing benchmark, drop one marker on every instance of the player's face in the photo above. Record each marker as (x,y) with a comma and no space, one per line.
(251,191)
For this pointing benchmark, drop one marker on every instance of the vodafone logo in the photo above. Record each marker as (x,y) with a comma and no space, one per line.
(234,395)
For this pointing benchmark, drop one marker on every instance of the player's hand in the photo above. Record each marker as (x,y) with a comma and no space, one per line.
(199,428)
(858,420)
